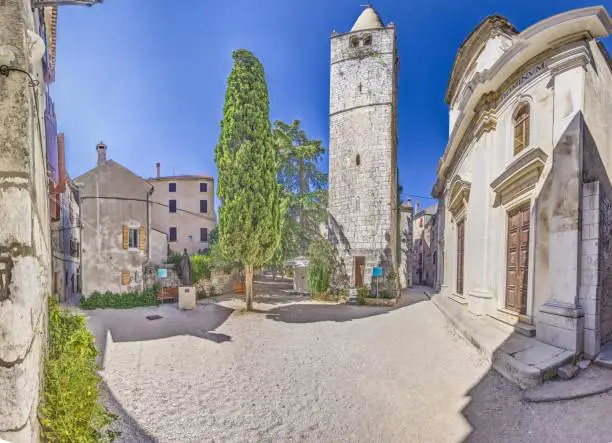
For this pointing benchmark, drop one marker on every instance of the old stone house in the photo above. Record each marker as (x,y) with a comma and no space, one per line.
(363,201)
(524,183)
(183,208)
(65,230)
(405,233)
(117,238)
(424,246)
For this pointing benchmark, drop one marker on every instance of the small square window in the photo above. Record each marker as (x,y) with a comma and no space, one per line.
(203,187)
(367,40)
(133,238)
(203,234)
(172,205)
(172,234)
(354,42)
(203,206)
(171,187)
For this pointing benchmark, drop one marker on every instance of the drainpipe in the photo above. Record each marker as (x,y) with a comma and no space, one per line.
(148,248)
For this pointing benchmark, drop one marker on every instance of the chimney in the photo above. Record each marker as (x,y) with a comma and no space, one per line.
(101,148)
(61,164)
(158,165)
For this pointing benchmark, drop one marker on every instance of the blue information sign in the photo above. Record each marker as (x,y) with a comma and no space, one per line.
(377,271)
(162,273)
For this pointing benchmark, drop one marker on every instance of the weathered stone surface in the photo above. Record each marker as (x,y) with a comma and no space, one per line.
(583,364)
(568,371)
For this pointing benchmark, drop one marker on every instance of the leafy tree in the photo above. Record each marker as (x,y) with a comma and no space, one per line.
(304,185)
(250,216)
(321,265)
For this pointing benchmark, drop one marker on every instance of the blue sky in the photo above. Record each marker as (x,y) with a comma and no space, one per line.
(148,77)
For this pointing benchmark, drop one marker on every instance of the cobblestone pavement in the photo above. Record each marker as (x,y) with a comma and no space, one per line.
(300,371)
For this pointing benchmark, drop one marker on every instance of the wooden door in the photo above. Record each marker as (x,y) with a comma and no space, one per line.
(460,255)
(517,259)
(358,271)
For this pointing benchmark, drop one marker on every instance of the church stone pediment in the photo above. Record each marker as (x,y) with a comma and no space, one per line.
(520,176)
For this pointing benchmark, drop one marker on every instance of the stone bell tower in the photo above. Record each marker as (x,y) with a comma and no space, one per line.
(363,201)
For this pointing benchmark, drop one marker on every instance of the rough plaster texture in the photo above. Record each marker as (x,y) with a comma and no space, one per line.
(363,104)
(188,219)
(25,265)
(112,196)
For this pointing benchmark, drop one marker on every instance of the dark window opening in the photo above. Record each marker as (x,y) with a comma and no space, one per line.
(172,205)
(360,87)
(172,234)
(204,206)
(203,234)
(367,40)
(171,187)
(357,160)
(203,187)
(354,42)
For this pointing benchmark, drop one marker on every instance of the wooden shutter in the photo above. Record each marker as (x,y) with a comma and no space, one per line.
(142,238)
(125,277)
(126,237)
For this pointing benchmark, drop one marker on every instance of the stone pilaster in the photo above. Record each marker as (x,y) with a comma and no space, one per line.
(24,218)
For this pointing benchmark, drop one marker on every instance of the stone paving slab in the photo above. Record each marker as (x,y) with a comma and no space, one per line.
(521,359)
(591,381)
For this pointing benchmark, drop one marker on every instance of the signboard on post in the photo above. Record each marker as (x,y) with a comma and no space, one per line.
(377,271)
(162,273)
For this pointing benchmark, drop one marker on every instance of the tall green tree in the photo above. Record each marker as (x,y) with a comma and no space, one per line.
(250,215)
(304,184)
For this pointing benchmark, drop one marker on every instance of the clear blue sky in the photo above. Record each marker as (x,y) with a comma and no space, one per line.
(148,77)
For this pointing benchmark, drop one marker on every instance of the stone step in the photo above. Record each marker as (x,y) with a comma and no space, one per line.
(518,326)
(604,359)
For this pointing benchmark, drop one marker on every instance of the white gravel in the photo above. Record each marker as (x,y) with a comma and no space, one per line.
(301,372)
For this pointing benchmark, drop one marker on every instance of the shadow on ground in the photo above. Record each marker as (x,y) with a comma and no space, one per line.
(129,428)
(313,313)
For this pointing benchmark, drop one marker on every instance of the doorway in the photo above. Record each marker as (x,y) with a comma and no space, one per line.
(517,260)
(460,255)
(359,270)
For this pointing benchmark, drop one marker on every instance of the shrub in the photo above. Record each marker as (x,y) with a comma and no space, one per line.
(320,257)
(126,300)
(70,408)
(385,293)
(343,294)
(362,293)
(201,266)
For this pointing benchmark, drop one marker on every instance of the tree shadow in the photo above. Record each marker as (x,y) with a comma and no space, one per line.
(314,313)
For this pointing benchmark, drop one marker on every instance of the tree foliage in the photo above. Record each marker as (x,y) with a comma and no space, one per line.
(303,184)
(250,215)
(321,265)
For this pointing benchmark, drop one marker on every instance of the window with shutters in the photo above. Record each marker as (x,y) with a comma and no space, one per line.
(203,187)
(203,234)
(133,238)
(172,205)
(521,128)
(171,187)
(204,206)
(172,234)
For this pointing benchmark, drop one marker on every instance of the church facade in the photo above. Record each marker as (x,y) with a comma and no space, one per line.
(525,200)
(363,199)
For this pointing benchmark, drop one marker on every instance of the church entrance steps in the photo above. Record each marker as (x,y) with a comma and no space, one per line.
(513,321)
(521,359)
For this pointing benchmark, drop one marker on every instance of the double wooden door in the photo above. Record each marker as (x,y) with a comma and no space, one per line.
(517,260)
(359,270)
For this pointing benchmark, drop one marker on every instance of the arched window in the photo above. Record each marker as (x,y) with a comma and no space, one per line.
(357,160)
(354,41)
(521,128)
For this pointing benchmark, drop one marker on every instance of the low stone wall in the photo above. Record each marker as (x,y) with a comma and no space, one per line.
(381,301)
(219,281)
(151,278)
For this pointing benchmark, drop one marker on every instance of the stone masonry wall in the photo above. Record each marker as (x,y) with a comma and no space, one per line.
(605,265)
(362,170)
(25,258)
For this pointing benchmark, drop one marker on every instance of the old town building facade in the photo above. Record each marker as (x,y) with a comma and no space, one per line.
(524,183)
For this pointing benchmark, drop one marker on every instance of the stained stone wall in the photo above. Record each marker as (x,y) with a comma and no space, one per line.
(25,259)
(363,150)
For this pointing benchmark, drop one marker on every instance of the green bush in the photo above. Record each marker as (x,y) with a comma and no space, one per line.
(126,300)
(385,293)
(201,266)
(320,257)
(362,293)
(70,410)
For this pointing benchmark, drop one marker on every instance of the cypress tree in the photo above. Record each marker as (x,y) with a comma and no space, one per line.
(251,205)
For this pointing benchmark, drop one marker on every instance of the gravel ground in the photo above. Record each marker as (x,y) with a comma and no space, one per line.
(301,371)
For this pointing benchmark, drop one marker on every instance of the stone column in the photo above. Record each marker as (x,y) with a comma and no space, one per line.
(560,321)
(24,218)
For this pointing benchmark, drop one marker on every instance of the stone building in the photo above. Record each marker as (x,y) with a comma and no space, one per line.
(183,208)
(363,201)
(424,246)
(27,46)
(405,258)
(524,183)
(117,239)
(65,231)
